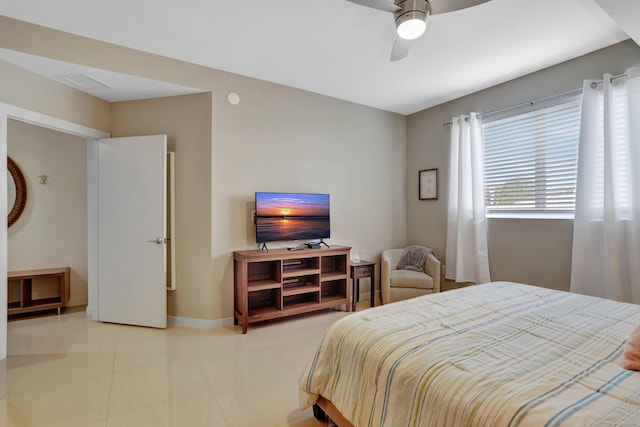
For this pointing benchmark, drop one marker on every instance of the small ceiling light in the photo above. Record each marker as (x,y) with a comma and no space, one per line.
(411,21)
(233,98)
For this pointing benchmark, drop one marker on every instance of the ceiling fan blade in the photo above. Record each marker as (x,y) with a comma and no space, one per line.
(444,6)
(400,49)
(385,5)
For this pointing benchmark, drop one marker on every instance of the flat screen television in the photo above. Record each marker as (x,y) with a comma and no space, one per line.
(291,216)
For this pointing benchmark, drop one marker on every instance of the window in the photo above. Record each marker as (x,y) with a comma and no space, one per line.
(530,161)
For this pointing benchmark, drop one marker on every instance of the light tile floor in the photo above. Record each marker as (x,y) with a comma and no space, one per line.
(71,371)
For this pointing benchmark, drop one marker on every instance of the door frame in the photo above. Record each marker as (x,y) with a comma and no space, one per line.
(8,111)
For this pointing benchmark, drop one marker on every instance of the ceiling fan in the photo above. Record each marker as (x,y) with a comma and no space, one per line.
(411,17)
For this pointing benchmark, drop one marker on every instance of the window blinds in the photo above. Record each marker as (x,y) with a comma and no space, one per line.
(530,161)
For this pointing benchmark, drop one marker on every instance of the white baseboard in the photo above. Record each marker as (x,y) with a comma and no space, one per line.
(189,322)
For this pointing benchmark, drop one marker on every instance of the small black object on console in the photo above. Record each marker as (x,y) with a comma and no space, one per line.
(316,245)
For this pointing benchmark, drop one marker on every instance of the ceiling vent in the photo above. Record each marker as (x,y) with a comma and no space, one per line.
(85,81)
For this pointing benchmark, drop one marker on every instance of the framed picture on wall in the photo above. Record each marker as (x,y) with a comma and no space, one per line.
(428,184)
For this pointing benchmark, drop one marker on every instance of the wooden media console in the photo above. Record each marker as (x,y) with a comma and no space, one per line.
(279,283)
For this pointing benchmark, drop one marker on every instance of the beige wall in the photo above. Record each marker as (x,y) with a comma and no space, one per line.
(186,120)
(276,139)
(283,139)
(523,250)
(52,231)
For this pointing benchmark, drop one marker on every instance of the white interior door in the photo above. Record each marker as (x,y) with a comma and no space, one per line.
(132,197)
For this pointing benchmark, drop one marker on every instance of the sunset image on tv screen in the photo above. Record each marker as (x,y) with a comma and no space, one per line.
(283,204)
(291,216)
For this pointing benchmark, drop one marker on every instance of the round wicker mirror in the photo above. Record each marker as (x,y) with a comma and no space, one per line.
(17,191)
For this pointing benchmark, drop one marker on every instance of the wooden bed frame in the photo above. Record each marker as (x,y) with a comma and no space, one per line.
(323,408)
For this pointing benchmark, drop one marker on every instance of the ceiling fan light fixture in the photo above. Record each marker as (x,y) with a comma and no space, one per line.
(411,28)
(411,21)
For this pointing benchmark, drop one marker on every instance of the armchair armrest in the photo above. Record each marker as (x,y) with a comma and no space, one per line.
(389,260)
(432,268)
(385,277)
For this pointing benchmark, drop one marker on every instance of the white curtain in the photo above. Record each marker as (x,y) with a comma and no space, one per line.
(606,234)
(467,254)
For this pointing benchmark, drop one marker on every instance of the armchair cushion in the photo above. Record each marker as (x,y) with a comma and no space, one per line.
(411,279)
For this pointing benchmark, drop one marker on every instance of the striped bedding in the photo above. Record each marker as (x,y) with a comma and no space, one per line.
(498,354)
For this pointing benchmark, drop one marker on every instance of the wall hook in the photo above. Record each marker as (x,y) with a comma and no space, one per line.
(44,179)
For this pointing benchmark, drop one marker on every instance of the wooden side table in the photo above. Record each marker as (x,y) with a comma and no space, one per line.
(359,271)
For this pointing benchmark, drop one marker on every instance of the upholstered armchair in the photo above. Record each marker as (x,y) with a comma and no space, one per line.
(402,284)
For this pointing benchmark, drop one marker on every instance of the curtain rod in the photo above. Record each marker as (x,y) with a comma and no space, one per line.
(532,103)
(529,103)
(595,83)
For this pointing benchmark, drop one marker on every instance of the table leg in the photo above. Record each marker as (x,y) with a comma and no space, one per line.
(372,296)
(356,292)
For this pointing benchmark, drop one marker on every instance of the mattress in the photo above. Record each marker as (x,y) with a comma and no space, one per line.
(498,354)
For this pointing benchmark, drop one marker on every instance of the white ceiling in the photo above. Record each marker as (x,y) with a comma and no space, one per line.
(340,49)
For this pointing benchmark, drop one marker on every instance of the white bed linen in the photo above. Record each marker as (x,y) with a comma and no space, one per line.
(498,354)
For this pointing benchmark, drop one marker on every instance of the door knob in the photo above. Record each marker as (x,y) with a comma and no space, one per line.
(159,240)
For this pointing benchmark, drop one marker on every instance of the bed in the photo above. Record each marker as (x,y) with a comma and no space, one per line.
(498,354)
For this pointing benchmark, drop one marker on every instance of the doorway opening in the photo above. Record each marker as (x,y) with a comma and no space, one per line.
(11,112)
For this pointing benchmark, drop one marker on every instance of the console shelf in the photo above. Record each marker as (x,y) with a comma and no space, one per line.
(280,283)
(35,290)
(262,285)
(299,272)
(296,290)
